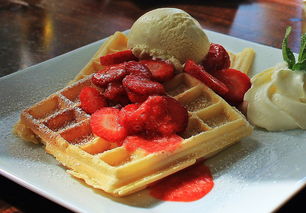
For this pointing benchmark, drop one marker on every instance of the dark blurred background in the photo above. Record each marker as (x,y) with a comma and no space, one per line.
(36,30)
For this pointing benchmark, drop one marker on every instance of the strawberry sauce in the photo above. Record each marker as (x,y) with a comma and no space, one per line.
(188,185)
(164,143)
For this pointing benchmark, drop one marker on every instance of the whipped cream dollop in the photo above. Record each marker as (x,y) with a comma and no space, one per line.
(277,99)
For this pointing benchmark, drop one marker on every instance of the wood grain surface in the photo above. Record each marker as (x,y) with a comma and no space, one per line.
(36,30)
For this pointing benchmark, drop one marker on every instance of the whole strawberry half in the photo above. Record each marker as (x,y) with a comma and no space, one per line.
(216,59)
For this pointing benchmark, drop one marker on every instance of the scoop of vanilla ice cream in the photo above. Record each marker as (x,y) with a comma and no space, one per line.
(169,34)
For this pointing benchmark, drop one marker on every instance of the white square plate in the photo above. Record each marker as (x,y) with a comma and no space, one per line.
(256,175)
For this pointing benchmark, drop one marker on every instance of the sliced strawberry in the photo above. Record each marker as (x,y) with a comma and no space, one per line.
(117,106)
(104,69)
(154,113)
(117,58)
(129,118)
(160,70)
(164,115)
(198,72)
(105,124)
(160,143)
(179,117)
(216,59)
(237,82)
(113,90)
(161,115)
(112,73)
(142,85)
(157,116)
(135,97)
(91,100)
(136,68)
(116,93)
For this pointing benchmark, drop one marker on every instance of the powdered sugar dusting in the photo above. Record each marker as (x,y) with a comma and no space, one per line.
(198,103)
(26,159)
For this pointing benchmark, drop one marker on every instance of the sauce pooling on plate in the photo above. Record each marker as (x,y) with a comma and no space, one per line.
(188,185)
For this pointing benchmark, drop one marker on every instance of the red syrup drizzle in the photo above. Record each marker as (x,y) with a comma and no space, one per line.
(188,185)
(156,144)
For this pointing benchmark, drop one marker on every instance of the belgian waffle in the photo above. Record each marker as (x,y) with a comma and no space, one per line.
(64,128)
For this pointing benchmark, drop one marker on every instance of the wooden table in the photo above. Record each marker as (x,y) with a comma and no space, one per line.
(37,30)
